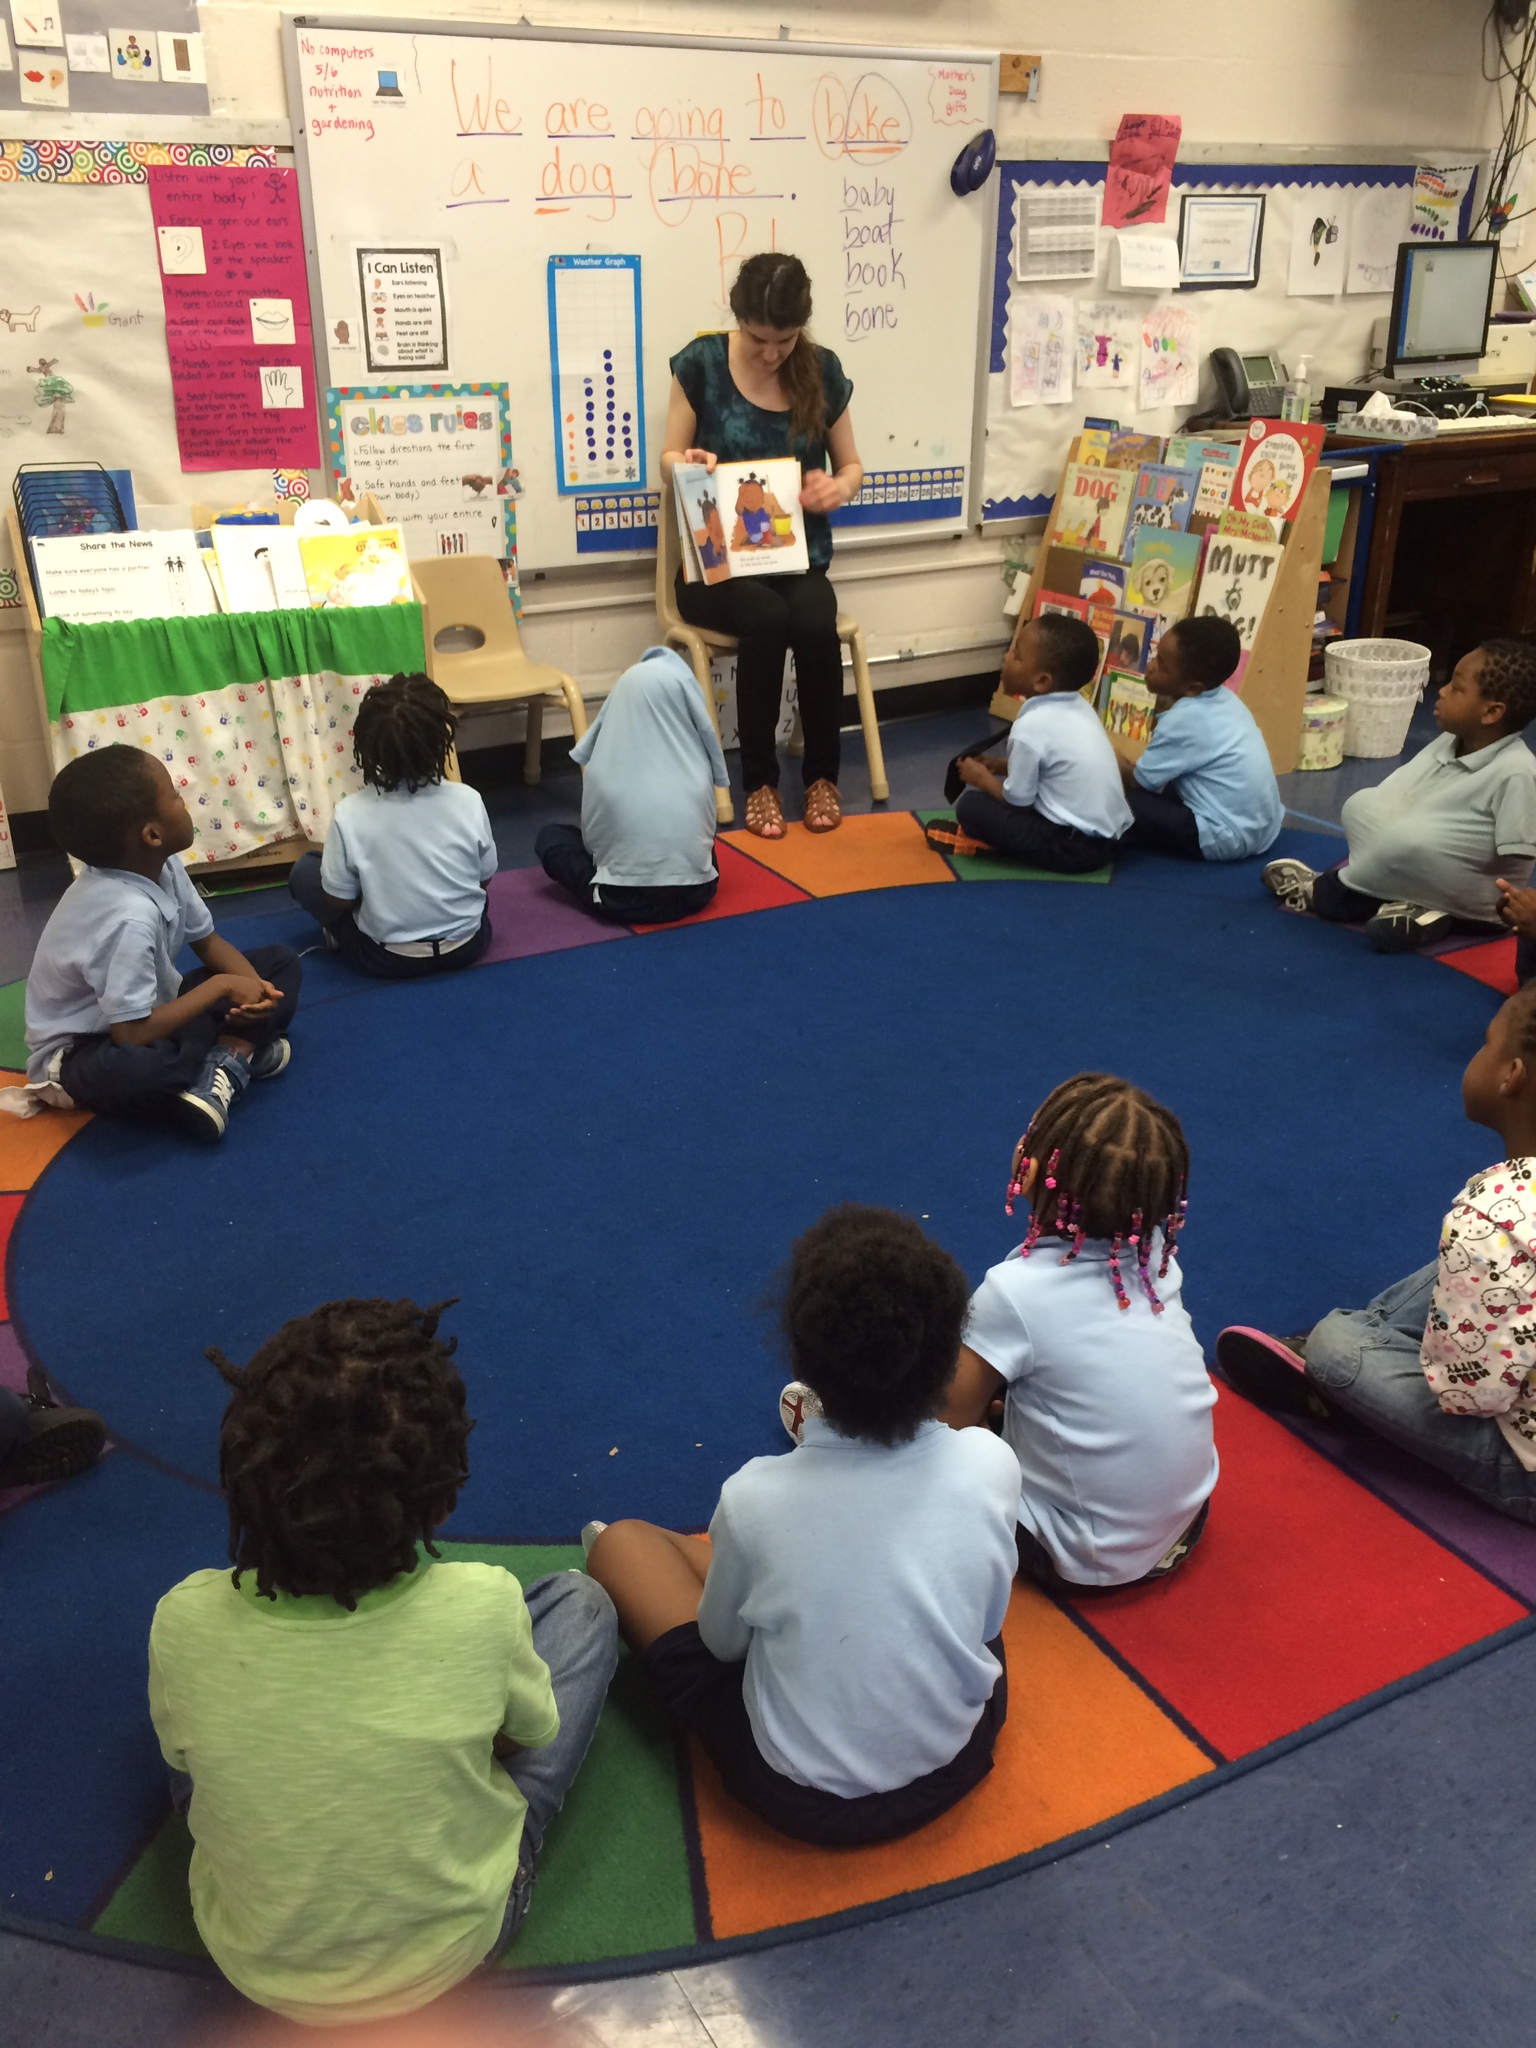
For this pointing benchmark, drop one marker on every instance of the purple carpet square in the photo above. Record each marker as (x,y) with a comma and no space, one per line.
(532,914)
(13,1360)
(1503,1548)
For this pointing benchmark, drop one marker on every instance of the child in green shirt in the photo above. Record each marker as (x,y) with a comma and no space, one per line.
(373,1741)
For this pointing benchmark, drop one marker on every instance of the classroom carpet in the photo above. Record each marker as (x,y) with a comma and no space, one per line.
(602,1142)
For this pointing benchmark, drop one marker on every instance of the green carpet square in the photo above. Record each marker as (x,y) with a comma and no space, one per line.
(613,1879)
(997,867)
(13,1026)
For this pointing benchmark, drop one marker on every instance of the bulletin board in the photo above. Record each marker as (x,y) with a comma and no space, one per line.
(84,372)
(505,150)
(1027,446)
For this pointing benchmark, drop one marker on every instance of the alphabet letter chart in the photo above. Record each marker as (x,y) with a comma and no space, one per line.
(594,356)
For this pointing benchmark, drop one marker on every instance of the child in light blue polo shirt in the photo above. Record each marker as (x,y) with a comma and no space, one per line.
(836,1646)
(1082,1331)
(1433,844)
(111,1024)
(399,889)
(1055,799)
(1204,787)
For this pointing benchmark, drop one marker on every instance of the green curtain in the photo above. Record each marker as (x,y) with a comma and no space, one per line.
(136,661)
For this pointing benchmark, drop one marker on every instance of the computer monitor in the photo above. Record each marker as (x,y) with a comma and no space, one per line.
(1440,303)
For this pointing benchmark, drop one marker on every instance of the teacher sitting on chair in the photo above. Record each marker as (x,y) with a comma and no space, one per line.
(766,389)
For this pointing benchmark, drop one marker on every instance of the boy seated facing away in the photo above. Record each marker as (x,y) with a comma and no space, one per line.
(1204,787)
(1432,843)
(836,1646)
(373,1741)
(399,890)
(111,1024)
(1055,798)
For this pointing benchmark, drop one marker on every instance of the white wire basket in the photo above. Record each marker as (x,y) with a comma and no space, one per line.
(1381,681)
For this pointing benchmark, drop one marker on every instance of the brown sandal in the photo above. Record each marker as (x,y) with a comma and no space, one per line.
(823,807)
(765,814)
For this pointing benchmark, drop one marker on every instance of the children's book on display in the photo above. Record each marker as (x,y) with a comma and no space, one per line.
(740,519)
(1092,508)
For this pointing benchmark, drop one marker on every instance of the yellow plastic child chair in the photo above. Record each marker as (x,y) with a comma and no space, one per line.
(696,643)
(474,652)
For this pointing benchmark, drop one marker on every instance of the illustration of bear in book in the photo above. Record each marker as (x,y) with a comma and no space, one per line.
(761,521)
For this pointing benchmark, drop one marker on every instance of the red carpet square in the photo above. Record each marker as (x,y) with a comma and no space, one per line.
(744,885)
(1306,1593)
(1492,963)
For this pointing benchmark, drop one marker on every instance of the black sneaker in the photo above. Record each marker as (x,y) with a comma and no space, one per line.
(1405,927)
(61,1441)
(1269,1372)
(202,1110)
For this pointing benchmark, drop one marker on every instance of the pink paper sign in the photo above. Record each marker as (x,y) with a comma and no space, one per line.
(237,324)
(1141,160)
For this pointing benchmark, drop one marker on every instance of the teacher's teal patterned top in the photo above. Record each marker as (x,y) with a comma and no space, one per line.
(736,430)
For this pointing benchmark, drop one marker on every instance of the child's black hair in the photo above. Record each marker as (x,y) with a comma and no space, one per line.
(1111,1163)
(1209,649)
(1509,678)
(100,802)
(342,1448)
(403,733)
(873,1311)
(1522,1018)
(1069,649)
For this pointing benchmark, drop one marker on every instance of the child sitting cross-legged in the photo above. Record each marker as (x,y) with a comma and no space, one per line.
(1441,1363)
(836,1645)
(399,889)
(645,851)
(1430,845)
(1204,787)
(111,1024)
(1055,798)
(1083,1334)
(373,1741)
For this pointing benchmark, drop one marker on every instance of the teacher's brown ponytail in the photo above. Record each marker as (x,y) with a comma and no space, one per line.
(774,291)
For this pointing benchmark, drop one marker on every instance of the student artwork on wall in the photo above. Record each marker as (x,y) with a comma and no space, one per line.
(1169,372)
(1108,335)
(1436,200)
(1141,160)
(1318,246)
(1042,335)
(1378,222)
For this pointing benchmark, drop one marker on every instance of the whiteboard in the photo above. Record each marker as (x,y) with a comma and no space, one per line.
(507,149)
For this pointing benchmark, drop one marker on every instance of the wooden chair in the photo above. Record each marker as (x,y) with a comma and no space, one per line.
(465,598)
(695,643)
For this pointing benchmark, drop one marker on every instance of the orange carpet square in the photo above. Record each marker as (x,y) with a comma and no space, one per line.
(28,1144)
(878,851)
(1081,1743)
(744,886)
(1306,1593)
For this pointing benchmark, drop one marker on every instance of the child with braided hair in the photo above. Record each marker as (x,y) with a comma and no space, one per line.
(1081,1332)
(399,890)
(372,1741)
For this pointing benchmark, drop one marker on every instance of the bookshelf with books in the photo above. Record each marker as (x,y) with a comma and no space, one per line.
(1265,571)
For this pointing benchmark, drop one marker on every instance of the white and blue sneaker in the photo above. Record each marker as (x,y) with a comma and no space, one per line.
(269,1060)
(202,1110)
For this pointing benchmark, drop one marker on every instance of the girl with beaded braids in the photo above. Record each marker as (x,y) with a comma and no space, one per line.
(399,890)
(1082,1335)
(369,1741)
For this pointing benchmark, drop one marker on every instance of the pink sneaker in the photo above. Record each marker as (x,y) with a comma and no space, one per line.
(1272,1374)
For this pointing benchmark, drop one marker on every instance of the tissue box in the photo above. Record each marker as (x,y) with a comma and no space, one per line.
(1391,426)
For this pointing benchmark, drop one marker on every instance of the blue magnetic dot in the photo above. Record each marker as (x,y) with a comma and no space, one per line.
(626,416)
(607,355)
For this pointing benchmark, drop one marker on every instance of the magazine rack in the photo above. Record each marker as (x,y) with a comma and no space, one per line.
(1274,685)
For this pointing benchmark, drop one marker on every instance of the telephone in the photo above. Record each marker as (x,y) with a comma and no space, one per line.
(1251,385)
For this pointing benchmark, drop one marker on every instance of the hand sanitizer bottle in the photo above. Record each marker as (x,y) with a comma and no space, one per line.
(1296,399)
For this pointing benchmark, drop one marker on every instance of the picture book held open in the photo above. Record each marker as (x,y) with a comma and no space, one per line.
(740,519)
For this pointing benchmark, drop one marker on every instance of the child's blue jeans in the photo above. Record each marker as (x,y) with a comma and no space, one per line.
(1366,1360)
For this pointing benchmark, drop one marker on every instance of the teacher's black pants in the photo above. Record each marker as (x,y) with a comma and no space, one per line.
(767,616)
